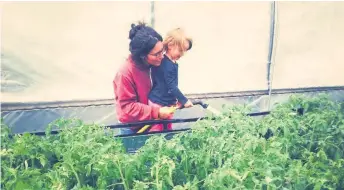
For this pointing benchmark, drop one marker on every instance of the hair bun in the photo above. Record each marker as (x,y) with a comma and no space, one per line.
(135,28)
(132,31)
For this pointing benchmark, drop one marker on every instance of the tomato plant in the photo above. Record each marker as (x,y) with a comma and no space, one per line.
(304,152)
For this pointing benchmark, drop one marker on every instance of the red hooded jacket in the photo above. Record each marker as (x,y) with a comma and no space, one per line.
(132,85)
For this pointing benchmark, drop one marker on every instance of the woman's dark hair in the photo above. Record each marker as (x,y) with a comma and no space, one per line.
(142,40)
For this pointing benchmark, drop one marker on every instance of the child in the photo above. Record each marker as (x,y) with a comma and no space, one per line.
(165,91)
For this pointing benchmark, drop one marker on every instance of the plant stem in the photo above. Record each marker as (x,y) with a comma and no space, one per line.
(114,184)
(186,169)
(76,175)
(157,177)
(311,141)
(120,172)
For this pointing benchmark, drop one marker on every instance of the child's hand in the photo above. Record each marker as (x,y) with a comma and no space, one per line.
(188,104)
(179,105)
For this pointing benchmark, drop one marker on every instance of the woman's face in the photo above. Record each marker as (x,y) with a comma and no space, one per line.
(155,56)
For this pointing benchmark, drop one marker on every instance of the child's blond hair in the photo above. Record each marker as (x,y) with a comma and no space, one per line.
(177,37)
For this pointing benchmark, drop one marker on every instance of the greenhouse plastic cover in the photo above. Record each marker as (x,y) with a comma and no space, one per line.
(69,51)
(36,120)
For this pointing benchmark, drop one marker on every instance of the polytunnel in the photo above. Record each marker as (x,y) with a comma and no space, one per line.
(59,127)
(58,59)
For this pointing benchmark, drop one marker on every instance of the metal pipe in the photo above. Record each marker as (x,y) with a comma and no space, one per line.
(271,45)
(150,122)
(152,14)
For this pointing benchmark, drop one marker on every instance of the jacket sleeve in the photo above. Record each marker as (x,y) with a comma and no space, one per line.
(128,100)
(170,74)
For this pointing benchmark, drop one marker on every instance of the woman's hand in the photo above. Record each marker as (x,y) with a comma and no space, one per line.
(165,112)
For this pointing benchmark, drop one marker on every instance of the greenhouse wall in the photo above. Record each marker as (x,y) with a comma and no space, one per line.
(52,51)
(70,51)
(36,120)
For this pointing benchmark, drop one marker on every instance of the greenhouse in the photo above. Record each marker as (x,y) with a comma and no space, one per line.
(266,80)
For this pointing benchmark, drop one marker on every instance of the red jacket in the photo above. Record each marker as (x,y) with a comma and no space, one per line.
(132,85)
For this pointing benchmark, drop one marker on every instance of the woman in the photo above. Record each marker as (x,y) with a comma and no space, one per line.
(132,82)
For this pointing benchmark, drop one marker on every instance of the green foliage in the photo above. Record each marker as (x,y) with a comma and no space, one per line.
(305,152)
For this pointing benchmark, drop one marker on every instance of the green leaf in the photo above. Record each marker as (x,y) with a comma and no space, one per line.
(168,179)
(43,160)
(22,185)
(179,187)
(318,186)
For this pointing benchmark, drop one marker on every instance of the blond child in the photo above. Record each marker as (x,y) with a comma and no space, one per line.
(165,91)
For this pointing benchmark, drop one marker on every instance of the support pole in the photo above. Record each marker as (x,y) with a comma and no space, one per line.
(271,47)
(152,14)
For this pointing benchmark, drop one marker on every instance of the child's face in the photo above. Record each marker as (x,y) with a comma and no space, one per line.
(176,52)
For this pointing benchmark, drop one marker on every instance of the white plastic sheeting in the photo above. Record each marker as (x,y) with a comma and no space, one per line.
(310,44)
(231,42)
(65,50)
(53,51)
